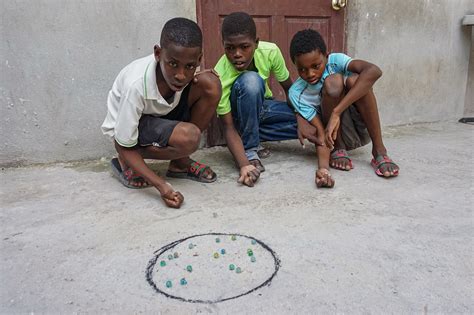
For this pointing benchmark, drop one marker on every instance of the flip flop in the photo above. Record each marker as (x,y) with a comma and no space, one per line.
(381,160)
(194,172)
(341,154)
(128,176)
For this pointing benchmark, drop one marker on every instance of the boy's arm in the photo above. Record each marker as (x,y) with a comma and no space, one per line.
(248,173)
(323,177)
(317,123)
(368,74)
(286,87)
(305,129)
(135,161)
(308,131)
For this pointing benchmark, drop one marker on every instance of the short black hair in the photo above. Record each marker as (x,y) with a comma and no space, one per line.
(306,41)
(238,23)
(182,32)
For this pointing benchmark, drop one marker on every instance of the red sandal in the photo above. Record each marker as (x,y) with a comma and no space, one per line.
(380,161)
(340,154)
(195,172)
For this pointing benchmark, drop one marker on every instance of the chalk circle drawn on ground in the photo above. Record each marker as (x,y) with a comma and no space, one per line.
(212,267)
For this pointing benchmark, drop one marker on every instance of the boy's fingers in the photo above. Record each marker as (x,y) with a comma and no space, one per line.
(301,139)
(329,143)
(253,176)
(173,203)
(319,182)
(204,71)
(334,135)
(313,139)
(327,139)
(180,196)
(248,181)
(256,172)
(330,136)
(173,199)
(331,182)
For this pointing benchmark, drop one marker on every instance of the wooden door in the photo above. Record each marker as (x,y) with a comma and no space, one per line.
(277,21)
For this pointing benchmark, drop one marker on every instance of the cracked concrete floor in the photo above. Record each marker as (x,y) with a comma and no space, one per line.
(74,240)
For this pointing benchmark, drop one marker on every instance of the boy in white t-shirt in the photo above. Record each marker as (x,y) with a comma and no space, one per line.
(157,111)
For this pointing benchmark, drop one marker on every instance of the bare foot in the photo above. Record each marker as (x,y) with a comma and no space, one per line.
(384,166)
(126,175)
(340,160)
(191,170)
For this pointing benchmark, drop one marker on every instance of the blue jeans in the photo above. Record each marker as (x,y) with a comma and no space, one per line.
(256,118)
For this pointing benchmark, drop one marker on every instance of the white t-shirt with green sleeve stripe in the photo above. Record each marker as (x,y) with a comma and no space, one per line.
(133,94)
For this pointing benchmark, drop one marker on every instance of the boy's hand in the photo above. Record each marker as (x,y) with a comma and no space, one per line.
(331,130)
(322,139)
(324,178)
(173,199)
(204,71)
(248,175)
(307,131)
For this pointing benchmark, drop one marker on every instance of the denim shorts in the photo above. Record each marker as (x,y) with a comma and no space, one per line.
(157,130)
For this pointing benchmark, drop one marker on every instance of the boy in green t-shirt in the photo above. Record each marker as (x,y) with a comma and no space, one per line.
(247,110)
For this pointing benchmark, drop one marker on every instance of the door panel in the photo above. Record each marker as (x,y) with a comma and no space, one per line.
(277,21)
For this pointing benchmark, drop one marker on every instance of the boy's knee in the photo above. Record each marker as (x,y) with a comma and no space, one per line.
(210,84)
(333,85)
(251,82)
(187,137)
(350,81)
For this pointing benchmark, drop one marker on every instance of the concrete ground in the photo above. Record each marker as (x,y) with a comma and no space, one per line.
(74,240)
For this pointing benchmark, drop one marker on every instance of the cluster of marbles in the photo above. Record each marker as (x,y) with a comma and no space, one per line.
(189,268)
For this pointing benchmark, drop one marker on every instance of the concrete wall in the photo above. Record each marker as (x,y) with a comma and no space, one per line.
(469,101)
(58,60)
(423,50)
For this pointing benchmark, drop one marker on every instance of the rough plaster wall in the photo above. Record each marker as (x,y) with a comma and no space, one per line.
(469,102)
(423,51)
(58,59)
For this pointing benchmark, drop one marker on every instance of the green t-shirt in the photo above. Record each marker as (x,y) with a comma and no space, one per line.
(267,59)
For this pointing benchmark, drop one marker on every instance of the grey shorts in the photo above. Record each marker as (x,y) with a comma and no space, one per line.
(354,133)
(157,130)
